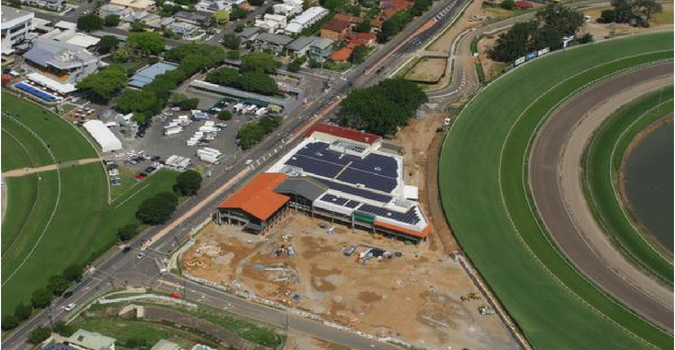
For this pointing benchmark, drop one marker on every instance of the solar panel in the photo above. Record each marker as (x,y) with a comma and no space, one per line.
(334,199)
(409,217)
(376,182)
(355,191)
(315,166)
(352,204)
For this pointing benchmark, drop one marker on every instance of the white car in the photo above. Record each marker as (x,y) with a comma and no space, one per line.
(69,307)
(140,255)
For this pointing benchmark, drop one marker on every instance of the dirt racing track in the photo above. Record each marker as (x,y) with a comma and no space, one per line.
(555,183)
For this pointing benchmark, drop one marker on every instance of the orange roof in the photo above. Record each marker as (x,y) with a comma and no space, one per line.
(419,234)
(342,54)
(258,197)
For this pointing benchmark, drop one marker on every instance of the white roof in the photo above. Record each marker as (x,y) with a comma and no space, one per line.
(411,192)
(51,84)
(83,40)
(65,25)
(103,136)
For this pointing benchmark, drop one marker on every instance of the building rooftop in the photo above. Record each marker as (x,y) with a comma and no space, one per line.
(164,344)
(322,43)
(354,135)
(138,4)
(336,25)
(276,39)
(301,42)
(12,16)
(342,54)
(191,16)
(148,74)
(91,340)
(249,32)
(258,197)
(49,52)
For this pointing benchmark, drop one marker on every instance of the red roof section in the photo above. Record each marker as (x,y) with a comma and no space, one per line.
(523,4)
(361,39)
(342,54)
(336,25)
(258,197)
(344,133)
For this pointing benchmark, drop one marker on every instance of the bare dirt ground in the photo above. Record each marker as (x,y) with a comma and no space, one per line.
(427,70)
(415,297)
(491,69)
(601,31)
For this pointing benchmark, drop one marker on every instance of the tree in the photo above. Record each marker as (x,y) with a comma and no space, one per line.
(189,182)
(586,38)
(89,22)
(358,54)
(508,5)
(237,13)
(136,101)
(58,284)
(22,312)
(231,41)
(168,33)
(127,232)
(260,62)
(607,16)
(39,334)
(224,115)
(157,209)
(9,322)
(107,44)
(140,118)
(363,27)
(122,54)
(294,66)
(233,55)
(146,43)
(239,27)
(103,85)
(137,26)
(381,109)
(63,329)
(220,17)
(73,273)
(41,298)
(560,18)
(112,20)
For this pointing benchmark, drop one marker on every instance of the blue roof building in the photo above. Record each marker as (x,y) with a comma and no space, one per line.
(146,75)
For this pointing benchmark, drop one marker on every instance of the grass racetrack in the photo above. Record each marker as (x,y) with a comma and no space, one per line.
(601,179)
(484,190)
(59,217)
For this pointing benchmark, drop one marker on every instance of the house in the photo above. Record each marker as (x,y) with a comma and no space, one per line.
(52,5)
(288,8)
(192,18)
(353,20)
(186,30)
(217,5)
(300,46)
(153,21)
(320,49)
(271,42)
(342,55)
(249,33)
(395,5)
(15,27)
(335,29)
(71,36)
(361,39)
(136,5)
(306,19)
(59,65)
(85,340)
(271,22)
(109,9)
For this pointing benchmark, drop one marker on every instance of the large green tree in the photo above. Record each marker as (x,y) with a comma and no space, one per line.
(105,84)
(259,62)
(89,22)
(157,209)
(146,43)
(107,44)
(189,182)
(41,298)
(39,334)
(112,20)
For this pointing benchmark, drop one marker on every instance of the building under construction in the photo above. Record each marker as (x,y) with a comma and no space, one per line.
(341,175)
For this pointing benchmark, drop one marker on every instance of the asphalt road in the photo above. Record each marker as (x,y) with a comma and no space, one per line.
(116,269)
(546,184)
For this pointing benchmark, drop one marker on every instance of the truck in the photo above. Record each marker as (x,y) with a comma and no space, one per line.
(172,130)
(161,267)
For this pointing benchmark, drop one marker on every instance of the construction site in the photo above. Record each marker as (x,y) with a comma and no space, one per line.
(355,276)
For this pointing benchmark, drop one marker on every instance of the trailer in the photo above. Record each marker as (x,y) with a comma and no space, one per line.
(172,130)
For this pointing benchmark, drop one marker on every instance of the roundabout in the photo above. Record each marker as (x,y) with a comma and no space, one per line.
(486,194)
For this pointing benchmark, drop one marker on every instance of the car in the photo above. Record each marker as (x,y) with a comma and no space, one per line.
(126,249)
(70,306)
(139,176)
(67,294)
(155,158)
(140,255)
(249,162)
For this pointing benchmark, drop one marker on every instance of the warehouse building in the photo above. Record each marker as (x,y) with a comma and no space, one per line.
(103,136)
(337,174)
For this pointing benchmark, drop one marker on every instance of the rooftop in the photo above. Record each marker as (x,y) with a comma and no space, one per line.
(12,16)
(342,54)
(91,340)
(322,43)
(258,197)
(49,52)
(148,74)
(336,25)
(354,135)
(276,39)
(301,42)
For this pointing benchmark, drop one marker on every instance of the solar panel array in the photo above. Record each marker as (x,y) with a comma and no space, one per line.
(355,191)
(374,171)
(329,198)
(409,217)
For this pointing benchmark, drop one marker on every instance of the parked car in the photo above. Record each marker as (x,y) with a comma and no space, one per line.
(70,306)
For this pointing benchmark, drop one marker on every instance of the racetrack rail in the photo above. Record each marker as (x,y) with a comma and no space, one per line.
(639,293)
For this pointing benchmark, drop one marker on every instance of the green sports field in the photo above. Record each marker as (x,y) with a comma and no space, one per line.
(601,178)
(485,195)
(59,217)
